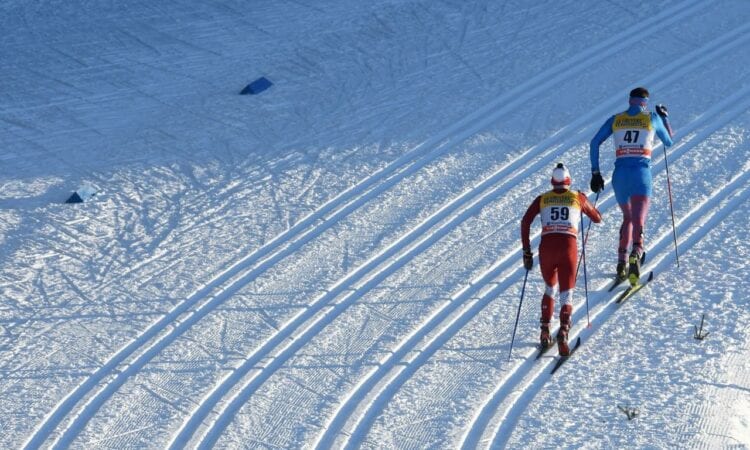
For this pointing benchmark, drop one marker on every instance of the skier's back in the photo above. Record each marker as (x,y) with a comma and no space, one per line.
(634,133)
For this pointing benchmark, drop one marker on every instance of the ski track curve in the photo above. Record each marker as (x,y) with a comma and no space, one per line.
(187,429)
(242,272)
(196,422)
(142,348)
(364,388)
(529,378)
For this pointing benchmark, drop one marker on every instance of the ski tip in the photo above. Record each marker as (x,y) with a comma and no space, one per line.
(650,276)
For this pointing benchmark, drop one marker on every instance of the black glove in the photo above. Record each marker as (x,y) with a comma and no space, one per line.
(597,182)
(661,110)
(528,259)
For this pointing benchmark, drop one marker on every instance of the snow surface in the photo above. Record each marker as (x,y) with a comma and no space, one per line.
(336,261)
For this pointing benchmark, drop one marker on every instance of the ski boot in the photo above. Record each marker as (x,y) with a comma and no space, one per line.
(634,269)
(562,340)
(566,312)
(622,272)
(545,338)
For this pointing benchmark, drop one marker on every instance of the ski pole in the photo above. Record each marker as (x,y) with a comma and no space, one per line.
(671,207)
(586,236)
(518,314)
(585,278)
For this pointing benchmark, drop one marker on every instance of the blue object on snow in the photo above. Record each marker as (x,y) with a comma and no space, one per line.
(257,86)
(75,198)
(83,194)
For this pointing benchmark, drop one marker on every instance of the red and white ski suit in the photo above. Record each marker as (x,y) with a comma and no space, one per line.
(560,211)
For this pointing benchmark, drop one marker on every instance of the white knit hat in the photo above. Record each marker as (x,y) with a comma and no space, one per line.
(560,177)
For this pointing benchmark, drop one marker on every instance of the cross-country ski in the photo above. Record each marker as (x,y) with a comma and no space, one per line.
(562,359)
(632,290)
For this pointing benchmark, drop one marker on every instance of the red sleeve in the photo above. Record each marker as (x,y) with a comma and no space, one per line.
(589,209)
(531,213)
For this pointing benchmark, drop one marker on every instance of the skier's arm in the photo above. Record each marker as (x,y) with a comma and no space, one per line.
(663,129)
(589,209)
(526,223)
(661,111)
(604,132)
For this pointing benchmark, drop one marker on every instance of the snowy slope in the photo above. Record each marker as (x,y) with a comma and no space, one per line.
(336,262)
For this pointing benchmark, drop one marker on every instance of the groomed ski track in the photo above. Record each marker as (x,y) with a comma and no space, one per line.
(355,413)
(465,205)
(92,393)
(127,361)
(517,390)
(397,371)
(402,370)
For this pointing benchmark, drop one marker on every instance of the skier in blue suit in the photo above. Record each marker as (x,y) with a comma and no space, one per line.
(634,131)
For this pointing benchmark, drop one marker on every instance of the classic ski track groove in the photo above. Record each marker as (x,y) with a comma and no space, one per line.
(529,378)
(238,274)
(394,361)
(250,266)
(705,217)
(225,415)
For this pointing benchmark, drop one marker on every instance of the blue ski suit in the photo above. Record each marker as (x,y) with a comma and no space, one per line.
(634,131)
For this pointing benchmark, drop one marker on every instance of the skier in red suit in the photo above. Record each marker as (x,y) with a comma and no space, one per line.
(561,211)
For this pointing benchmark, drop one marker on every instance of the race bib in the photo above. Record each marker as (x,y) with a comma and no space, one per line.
(560,212)
(633,135)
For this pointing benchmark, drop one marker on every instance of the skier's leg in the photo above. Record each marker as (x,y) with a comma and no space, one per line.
(568,252)
(639,200)
(548,266)
(640,204)
(626,232)
(621,183)
(566,310)
(548,306)
(549,275)
(566,256)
